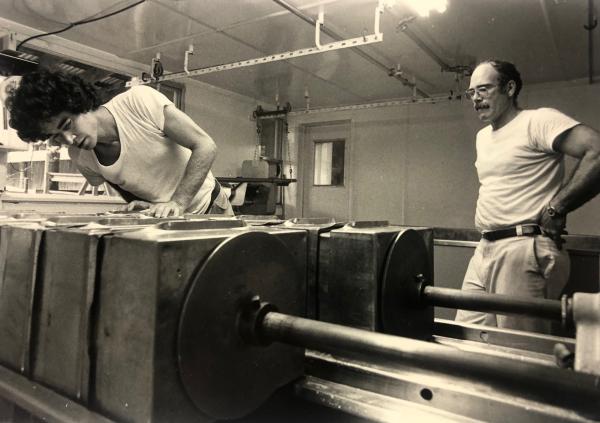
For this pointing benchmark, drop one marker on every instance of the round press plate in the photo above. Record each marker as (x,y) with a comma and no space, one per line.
(401,311)
(225,377)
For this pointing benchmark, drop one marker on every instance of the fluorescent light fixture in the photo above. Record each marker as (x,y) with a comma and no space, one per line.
(423,7)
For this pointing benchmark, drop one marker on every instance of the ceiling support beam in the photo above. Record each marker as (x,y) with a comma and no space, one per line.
(391,103)
(90,56)
(352,42)
(157,77)
(211,30)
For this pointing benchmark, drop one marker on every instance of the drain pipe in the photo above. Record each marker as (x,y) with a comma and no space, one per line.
(592,23)
(294,10)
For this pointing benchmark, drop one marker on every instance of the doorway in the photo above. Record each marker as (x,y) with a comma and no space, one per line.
(326,171)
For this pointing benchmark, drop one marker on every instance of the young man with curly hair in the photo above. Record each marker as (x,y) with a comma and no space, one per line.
(154,154)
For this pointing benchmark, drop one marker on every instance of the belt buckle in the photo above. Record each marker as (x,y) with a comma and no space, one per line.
(488,235)
(519,229)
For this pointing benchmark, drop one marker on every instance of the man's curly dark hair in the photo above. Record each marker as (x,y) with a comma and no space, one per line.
(44,94)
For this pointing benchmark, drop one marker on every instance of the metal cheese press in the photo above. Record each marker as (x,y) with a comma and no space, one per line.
(205,320)
(386,374)
(362,265)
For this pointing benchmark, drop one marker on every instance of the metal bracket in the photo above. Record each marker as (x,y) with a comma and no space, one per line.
(593,25)
(8,41)
(414,86)
(156,71)
(320,21)
(307,99)
(378,12)
(186,59)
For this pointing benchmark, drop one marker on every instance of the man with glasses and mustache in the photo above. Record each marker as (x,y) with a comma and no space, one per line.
(523,201)
(151,152)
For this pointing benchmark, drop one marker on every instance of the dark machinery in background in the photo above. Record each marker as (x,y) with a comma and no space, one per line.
(129,319)
(272,127)
(265,174)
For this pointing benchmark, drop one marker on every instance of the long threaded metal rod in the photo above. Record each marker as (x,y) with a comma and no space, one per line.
(492,303)
(580,391)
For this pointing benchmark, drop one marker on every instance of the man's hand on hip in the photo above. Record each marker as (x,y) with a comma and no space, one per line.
(554,226)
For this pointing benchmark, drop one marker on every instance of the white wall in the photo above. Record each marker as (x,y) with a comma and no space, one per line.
(414,164)
(226,118)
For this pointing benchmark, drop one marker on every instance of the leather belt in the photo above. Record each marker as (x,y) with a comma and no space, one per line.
(519,230)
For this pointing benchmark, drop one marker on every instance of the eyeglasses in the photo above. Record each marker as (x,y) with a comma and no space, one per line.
(482,90)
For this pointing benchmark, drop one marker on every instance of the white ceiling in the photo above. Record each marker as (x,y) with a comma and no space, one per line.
(545,38)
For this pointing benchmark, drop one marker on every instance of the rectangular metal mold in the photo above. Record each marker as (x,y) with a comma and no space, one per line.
(351,265)
(144,281)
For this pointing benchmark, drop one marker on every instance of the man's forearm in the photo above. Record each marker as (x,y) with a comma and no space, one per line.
(194,176)
(583,185)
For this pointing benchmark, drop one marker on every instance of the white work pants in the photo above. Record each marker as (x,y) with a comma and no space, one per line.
(525,266)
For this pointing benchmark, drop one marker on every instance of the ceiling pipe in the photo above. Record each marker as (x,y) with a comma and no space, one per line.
(461,69)
(313,22)
(591,25)
(551,35)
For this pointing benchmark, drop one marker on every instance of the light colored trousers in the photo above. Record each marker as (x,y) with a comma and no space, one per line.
(525,266)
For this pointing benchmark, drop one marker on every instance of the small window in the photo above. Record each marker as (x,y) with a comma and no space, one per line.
(329,162)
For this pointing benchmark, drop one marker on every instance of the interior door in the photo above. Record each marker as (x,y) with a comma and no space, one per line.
(326,178)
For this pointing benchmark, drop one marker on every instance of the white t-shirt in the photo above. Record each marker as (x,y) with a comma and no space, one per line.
(518,170)
(150,164)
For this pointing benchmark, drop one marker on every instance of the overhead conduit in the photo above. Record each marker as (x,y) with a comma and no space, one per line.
(445,67)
